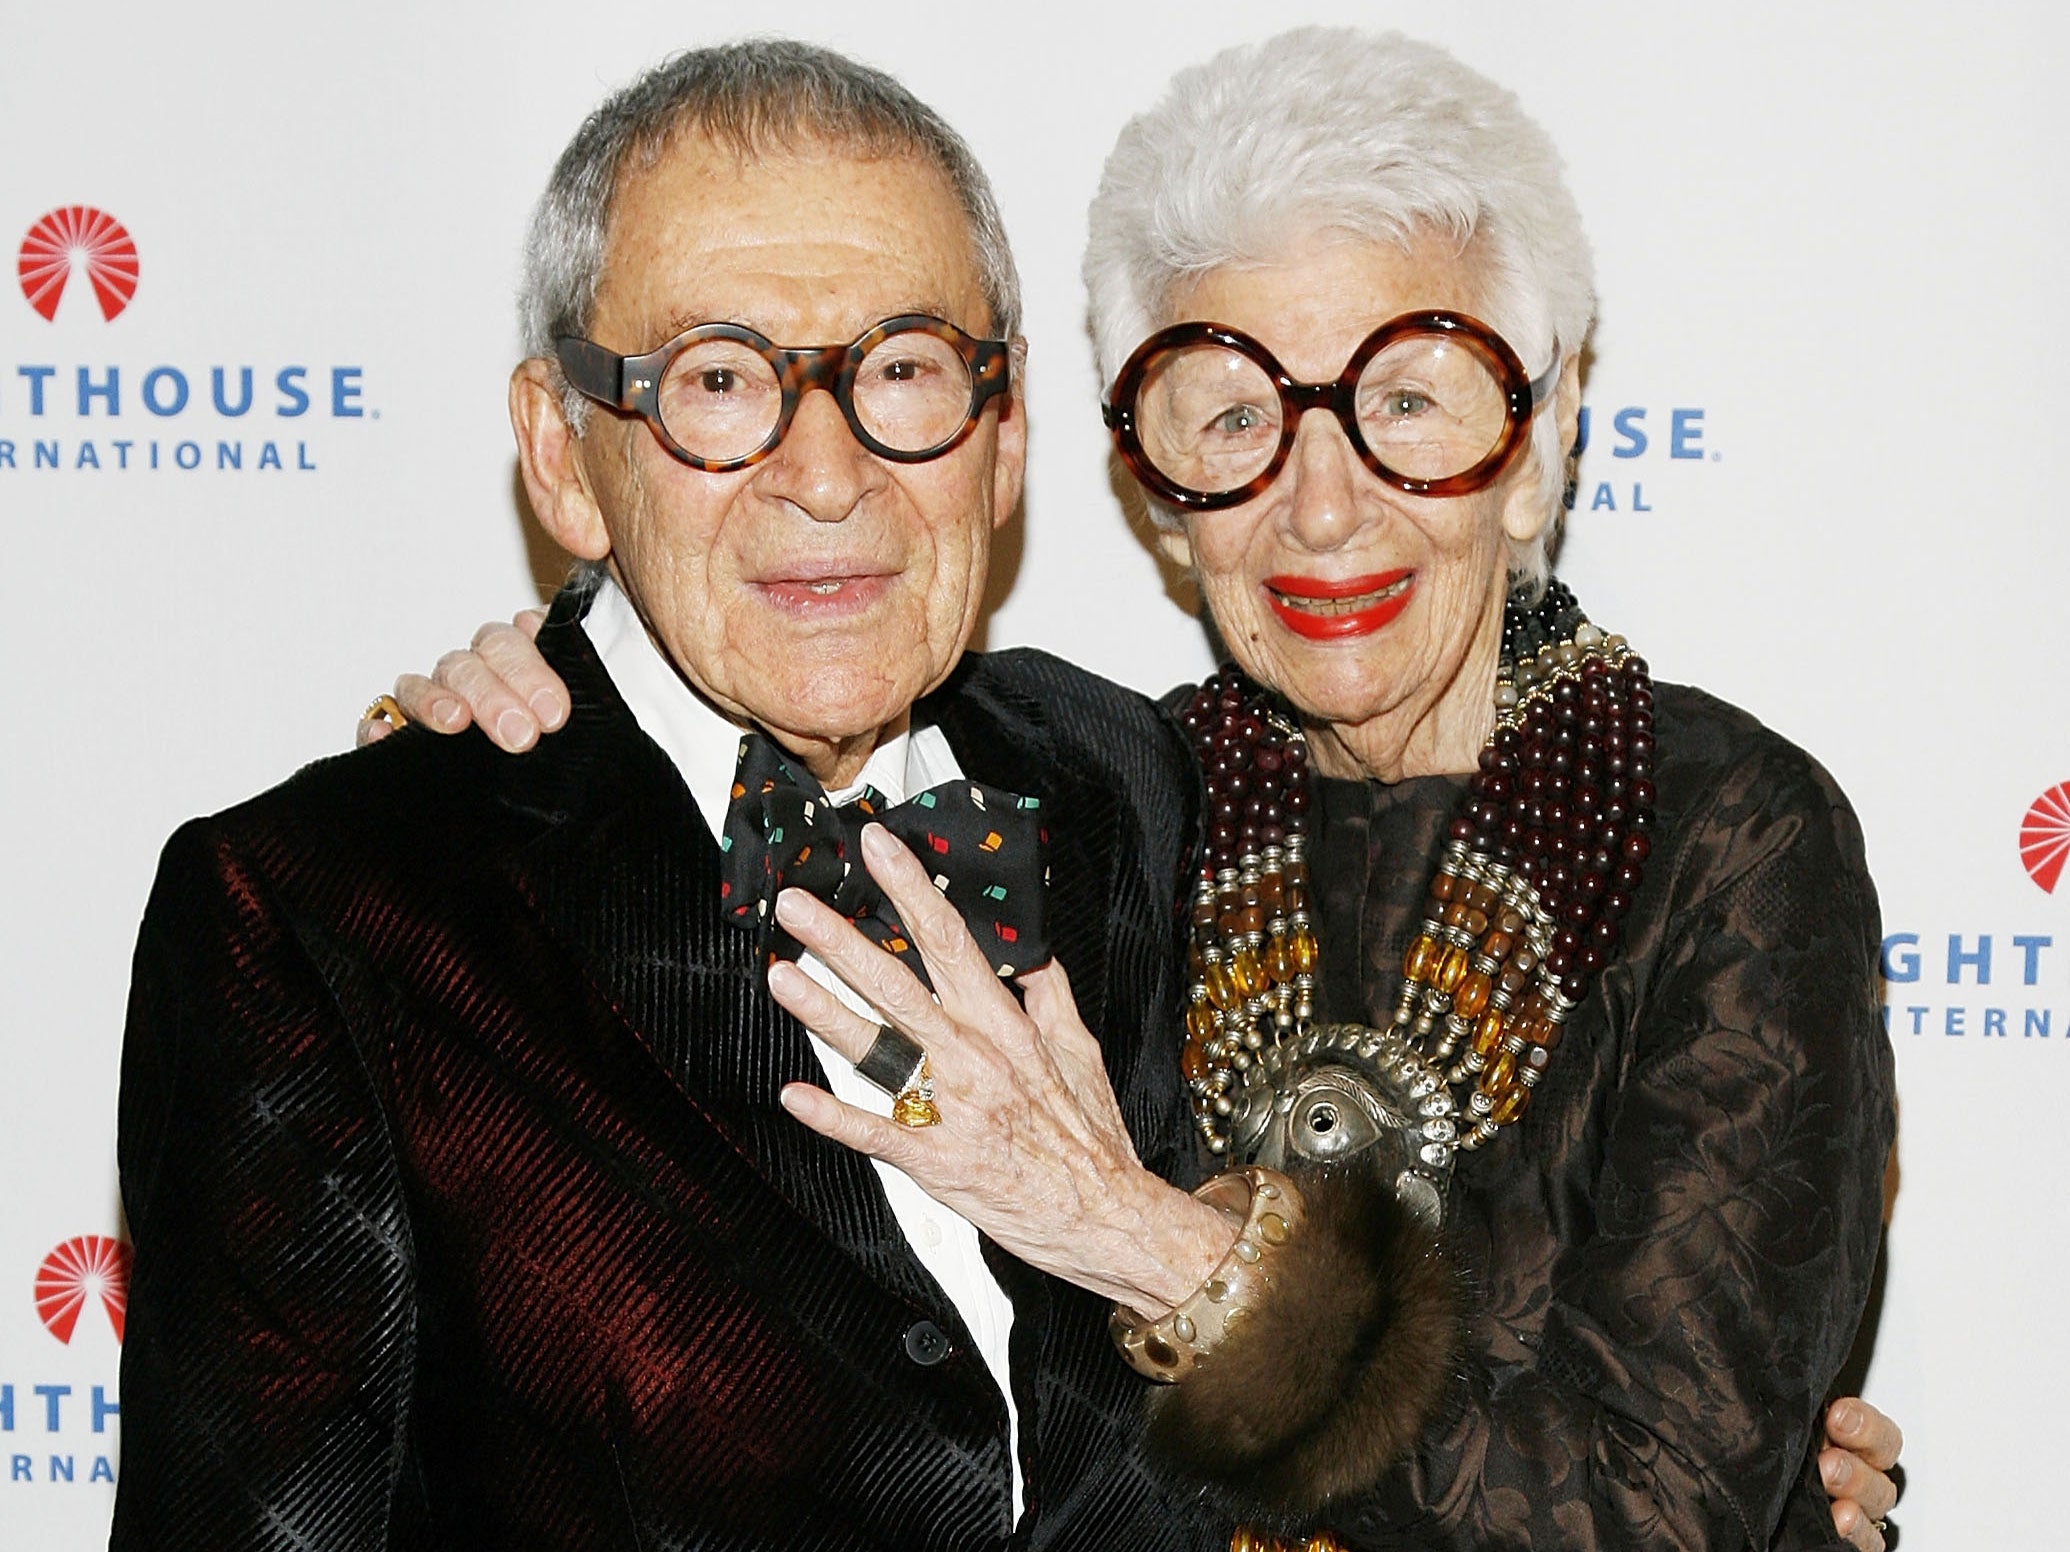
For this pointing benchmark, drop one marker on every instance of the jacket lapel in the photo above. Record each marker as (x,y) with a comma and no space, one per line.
(627,878)
(1001,739)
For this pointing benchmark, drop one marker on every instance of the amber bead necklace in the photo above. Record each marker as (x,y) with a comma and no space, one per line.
(1528,901)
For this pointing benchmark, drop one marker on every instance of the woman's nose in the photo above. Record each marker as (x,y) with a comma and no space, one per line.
(1321,479)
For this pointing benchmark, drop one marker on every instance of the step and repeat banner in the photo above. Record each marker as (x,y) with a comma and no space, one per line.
(254,460)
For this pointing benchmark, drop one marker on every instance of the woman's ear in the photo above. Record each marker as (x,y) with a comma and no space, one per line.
(1567,402)
(1524,513)
(1176,545)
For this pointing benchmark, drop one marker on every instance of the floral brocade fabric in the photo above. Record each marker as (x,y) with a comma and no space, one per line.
(1670,1253)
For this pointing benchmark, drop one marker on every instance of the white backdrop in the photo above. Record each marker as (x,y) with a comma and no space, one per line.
(1829,250)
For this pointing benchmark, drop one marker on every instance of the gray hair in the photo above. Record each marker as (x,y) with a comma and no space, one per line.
(756,96)
(1371,133)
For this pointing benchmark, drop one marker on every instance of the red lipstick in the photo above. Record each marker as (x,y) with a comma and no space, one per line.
(1294,599)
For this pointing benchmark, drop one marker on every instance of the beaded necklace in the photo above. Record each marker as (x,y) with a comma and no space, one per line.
(1528,901)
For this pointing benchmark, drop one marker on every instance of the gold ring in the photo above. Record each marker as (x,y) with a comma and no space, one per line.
(385,708)
(914,1104)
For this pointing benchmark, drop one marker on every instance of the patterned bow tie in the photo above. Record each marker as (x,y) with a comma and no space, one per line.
(986,848)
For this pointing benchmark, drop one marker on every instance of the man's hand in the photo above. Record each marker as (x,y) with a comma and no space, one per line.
(1031,1147)
(1862,1446)
(500,682)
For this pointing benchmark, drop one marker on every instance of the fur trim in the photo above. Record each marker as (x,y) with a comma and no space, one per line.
(1331,1380)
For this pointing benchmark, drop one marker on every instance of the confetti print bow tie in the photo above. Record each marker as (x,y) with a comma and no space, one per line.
(986,849)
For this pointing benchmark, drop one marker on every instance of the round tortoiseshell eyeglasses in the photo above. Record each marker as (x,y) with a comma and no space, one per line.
(1436,403)
(720,396)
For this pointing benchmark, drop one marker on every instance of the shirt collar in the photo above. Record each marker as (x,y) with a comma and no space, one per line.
(705,744)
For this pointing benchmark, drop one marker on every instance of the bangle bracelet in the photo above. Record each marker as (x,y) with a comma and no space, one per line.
(1166,1350)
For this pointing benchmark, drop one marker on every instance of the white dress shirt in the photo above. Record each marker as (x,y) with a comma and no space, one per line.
(705,748)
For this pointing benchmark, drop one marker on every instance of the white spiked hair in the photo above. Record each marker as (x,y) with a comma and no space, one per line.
(1371,133)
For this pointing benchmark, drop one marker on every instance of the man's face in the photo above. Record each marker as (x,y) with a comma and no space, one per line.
(821,591)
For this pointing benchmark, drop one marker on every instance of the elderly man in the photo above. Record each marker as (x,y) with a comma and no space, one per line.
(465,1211)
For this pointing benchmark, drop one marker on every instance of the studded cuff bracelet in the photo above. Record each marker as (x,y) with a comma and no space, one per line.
(1166,1350)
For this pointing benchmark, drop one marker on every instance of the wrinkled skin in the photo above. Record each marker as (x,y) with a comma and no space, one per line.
(1409,698)
(821,591)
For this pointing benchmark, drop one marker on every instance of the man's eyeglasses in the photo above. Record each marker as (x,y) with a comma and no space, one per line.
(1436,403)
(720,396)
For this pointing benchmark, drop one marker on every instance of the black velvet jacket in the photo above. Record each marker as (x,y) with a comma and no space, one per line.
(464,1210)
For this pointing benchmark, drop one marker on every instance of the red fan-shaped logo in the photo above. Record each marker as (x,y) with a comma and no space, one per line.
(76,1271)
(78,237)
(2045,836)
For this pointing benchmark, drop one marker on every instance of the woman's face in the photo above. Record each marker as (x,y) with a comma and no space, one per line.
(1379,614)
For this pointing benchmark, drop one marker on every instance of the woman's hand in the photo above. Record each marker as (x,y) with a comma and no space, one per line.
(1031,1147)
(500,682)
(1862,1446)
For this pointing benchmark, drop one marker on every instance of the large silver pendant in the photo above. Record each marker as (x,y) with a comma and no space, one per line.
(1335,1093)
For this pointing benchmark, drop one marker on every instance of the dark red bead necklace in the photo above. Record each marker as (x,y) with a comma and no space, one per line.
(1539,870)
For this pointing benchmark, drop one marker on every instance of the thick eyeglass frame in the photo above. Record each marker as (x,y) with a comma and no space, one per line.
(632,384)
(1522,395)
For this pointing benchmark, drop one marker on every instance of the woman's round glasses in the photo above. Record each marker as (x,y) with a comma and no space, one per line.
(720,396)
(1436,403)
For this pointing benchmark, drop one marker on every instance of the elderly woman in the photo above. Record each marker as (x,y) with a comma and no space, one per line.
(1534,1009)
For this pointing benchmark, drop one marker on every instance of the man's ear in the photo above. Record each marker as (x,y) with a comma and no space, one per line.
(1010,455)
(550,458)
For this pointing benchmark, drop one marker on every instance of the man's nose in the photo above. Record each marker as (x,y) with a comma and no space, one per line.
(1321,483)
(819,467)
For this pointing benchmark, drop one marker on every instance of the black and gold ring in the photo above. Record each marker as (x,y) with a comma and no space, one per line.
(893,1061)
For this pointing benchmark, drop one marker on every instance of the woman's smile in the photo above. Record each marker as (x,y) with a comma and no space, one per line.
(1325,609)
